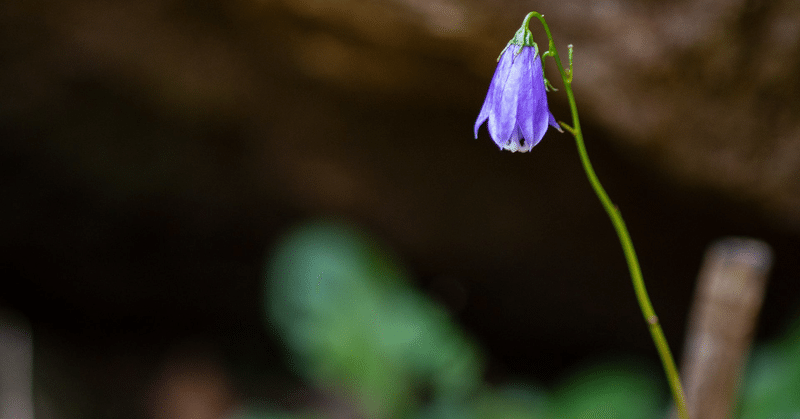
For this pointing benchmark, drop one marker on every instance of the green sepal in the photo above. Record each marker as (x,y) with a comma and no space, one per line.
(524,37)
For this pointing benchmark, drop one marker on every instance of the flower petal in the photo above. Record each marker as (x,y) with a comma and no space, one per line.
(505,111)
(541,113)
(528,102)
(495,92)
(553,122)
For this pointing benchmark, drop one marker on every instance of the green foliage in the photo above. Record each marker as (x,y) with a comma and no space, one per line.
(353,323)
(609,390)
(511,402)
(356,329)
(771,388)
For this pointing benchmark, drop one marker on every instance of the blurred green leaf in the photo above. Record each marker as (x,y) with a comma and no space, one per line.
(352,322)
(608,390)
(771,388)
(512,402)
(509,402)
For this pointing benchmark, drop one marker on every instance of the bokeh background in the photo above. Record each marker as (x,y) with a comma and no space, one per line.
(155,152)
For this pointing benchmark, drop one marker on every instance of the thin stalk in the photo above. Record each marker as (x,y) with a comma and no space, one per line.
(622,232)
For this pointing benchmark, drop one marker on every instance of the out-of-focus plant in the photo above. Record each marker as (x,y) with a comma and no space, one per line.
(771,388)
(355,327)
(608,390)
(357,330)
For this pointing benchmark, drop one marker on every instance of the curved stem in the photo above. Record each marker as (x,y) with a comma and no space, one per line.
(622,232)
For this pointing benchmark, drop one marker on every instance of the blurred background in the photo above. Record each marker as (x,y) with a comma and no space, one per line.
(166,164)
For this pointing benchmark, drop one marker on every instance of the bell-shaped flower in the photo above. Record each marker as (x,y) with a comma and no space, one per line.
(516,105)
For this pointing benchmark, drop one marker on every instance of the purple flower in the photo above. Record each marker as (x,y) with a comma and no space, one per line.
(516,105)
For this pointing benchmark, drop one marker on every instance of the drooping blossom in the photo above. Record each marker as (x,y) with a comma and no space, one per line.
(516,104)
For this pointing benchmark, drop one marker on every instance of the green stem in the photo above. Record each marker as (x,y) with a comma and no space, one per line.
(622,232)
